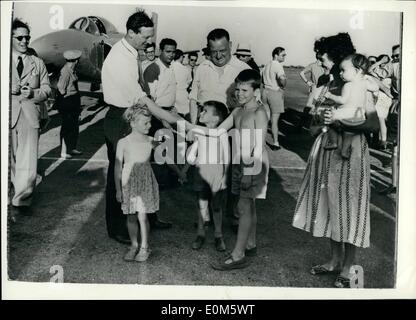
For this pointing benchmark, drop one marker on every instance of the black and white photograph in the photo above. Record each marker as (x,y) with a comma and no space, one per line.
(215,147)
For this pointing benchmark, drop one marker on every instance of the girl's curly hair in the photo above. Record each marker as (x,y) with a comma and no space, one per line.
(337,47)
(132,113)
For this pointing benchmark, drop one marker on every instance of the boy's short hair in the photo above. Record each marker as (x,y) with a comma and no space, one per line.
(167,42)
(397,46)
(359,61)
(138,20)
(133,112)
(250,76)
(277,51)
(220,109)
(17,23)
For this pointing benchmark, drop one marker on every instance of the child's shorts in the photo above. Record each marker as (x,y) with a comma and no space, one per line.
(258,186)
(210,178)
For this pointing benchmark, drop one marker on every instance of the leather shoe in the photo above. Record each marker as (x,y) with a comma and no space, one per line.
(160,224)
(75,152)
(219,244)
(121,239)
(197,244)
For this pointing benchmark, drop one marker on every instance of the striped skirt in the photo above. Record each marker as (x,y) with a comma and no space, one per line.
(334,198)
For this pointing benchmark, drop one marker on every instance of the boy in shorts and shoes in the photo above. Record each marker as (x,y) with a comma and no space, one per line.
(210,155)
(249,177)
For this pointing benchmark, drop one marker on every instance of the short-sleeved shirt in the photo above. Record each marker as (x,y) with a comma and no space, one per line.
(210,84)
(161,82)
(120,76)
(272,71)
(393,72)
(68,81)
(315,70)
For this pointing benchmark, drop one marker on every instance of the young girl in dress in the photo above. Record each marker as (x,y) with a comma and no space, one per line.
(136,185)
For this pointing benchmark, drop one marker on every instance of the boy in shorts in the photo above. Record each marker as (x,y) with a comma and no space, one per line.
(249,178)
(210,155)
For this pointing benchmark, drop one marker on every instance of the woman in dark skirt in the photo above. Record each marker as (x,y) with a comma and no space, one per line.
(69,104)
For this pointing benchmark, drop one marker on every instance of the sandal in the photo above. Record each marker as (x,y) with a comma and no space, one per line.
(234,264)
(320,269)
(342,282)
(143,255)
(129,256)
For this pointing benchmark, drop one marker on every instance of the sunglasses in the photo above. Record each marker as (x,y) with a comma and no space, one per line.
(193,60)
(20,38)
(394,56)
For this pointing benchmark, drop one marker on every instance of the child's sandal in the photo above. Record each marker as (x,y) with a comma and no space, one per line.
(143,255)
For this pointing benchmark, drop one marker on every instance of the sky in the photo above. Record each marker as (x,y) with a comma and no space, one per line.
(372,32)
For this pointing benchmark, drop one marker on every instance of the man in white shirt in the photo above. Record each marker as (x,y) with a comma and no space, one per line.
(122,87)
(159,77)
(274,80)
(183,80)
(214,78)
(30,87)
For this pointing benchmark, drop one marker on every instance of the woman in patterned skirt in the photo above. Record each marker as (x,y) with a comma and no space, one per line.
(334,198)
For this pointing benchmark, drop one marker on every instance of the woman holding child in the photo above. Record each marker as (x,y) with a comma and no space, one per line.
(334,196)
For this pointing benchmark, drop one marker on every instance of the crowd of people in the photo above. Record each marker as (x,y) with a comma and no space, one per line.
(225,105)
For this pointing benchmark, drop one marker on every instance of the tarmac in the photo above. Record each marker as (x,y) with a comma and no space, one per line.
(67,227)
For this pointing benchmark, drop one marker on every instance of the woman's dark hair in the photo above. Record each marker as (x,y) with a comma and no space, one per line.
(381,56)
(337,47)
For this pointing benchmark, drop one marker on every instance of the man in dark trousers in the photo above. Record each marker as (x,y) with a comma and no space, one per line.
(123,87)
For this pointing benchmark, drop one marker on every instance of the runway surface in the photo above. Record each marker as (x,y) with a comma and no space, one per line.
(67,227)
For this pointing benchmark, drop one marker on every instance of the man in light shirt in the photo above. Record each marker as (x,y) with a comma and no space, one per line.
(159,77)
(274,80)
(214,77)
(122,88)
(30,87)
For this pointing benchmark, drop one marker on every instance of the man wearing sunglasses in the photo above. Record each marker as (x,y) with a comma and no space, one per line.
(30,87)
